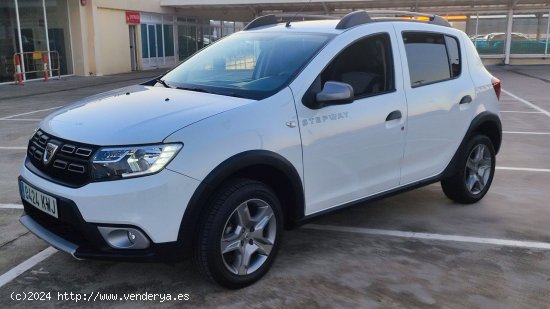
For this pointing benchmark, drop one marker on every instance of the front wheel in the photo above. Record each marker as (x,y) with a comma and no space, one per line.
(474,173)
(240,235)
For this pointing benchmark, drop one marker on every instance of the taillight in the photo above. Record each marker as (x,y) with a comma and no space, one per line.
(496,86)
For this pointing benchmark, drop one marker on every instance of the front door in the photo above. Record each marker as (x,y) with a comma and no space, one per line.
(355,150)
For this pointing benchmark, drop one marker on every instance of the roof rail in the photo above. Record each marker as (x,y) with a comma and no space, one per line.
(354,19)
(362,17)
(273,19)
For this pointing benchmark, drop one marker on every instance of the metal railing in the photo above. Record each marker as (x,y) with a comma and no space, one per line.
(36,62)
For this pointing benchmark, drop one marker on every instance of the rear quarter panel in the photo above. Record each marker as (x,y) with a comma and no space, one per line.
(485,99)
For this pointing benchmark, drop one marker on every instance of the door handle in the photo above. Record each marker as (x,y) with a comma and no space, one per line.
(394,116)
(466,99)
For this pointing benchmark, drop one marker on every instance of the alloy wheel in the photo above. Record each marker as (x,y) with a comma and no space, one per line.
(248,237)
(478,169)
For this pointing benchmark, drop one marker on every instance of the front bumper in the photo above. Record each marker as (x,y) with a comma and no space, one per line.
(49,237)
(153,205)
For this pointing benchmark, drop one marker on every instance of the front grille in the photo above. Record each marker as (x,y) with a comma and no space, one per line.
(70,163)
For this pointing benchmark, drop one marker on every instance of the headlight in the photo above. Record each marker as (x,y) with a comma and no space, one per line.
(132,161)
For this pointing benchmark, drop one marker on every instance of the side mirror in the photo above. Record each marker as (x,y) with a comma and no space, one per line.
(334,93)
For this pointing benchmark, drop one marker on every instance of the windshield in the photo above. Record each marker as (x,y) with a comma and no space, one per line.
(248,65)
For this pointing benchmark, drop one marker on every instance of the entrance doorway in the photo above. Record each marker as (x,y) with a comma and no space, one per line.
(133,49)
(157,41)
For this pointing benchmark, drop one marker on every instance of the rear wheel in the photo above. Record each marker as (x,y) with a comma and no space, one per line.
(474,173)
(240,236)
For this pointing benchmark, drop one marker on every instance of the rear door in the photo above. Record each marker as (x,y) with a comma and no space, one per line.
(439,93)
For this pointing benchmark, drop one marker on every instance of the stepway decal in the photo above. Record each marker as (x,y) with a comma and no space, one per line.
(324,118)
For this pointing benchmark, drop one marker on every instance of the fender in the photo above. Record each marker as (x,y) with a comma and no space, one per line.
(479,124)
(233,167)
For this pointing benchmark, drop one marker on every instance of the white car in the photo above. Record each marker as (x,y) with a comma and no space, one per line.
(261,132)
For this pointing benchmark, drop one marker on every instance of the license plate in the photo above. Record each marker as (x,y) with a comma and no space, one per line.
(40,200)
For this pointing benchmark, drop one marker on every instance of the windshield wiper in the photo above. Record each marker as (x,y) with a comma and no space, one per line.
(229,94)
(232,94)
(163,82)
(193,89)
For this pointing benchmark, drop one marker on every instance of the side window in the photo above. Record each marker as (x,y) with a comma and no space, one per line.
(454,55)
(366,65)
(432,57)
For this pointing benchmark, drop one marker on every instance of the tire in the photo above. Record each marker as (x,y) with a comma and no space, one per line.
(474,171)
(236,213)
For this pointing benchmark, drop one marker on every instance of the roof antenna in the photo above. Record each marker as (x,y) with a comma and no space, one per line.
(296,15)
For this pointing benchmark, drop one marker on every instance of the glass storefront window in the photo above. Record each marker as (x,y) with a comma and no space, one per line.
(144,45)
(152,41)
(34,38)
(187,40)
(160,52)
(33,34)
(9,43)
(194,34)
(168,40)
(202,36)
(157,40)
(59,35)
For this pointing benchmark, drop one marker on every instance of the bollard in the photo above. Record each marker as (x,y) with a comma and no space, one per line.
(18,73)
(45,61)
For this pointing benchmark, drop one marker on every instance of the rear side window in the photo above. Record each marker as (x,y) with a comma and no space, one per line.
(454,55)
(432,57)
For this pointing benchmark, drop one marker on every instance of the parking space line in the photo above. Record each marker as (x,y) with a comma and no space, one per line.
(28,113)
(525,169)
(430,236)
(26,265)
(13,148)
(11,206)
(547,113)
(528,133)
(521,112)
(20,119)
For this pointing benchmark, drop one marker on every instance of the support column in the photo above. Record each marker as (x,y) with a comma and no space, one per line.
(95,45)
(477,26)
(163,44)
(20,41)
(539,25)
(547,34)
(508,43)
(47,38)
(79,38)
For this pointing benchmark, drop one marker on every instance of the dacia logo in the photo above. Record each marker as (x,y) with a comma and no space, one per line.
(324,118)
(49,152)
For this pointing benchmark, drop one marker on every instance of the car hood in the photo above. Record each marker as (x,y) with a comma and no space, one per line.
(135,115)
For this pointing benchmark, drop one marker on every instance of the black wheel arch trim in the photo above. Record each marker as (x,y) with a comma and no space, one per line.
(483,118)
(224,171)
(477,124)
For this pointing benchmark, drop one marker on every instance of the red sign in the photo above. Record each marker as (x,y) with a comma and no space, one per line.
(132,17)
